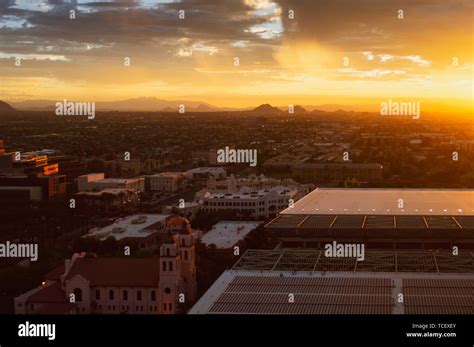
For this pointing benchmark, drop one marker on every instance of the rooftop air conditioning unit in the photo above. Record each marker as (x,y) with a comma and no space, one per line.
(139,220)
(118,230)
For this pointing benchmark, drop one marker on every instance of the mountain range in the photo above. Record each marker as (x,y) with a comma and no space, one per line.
(151,104)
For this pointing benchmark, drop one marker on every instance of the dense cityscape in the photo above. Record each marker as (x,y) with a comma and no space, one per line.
(124,186)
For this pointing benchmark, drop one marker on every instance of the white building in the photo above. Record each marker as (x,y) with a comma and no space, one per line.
(251,203)
(169,182)
(142,231)
(226,234)
(230,184)
(204,173)
(96,181)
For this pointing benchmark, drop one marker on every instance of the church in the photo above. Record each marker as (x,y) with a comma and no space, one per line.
(87,284)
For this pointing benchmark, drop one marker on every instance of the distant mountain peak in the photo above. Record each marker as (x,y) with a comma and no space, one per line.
(266,108)
(299,109)
(6,108)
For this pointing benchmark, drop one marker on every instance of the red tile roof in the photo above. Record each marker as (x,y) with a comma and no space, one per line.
(55,274)
(118,272)
(49,294)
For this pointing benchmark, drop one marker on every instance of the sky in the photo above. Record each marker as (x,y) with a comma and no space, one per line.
(305,52)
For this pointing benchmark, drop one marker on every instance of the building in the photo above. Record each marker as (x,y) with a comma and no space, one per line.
(109,201)
(87,284)
(97,182)
(52,185)
(69,166)
(226,234)
(85,182)
(188,209)
(376,140)
(284,162)
(465,145)
(290,281)
(337,172)
(200,175)
(20,197)
(209,157)
(258,204)
(142,231)
(167,182)
(232,184)
(393,218)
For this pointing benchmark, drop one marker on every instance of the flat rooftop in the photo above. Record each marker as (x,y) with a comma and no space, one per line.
(245,193)
(117,180)
(114,191)
(206,169)
(373,201)
(166,175)
(139,225)
(226,234)
(263,281)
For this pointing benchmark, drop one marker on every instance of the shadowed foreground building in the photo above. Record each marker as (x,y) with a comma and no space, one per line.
(289,281)
(119,285)
(378,218)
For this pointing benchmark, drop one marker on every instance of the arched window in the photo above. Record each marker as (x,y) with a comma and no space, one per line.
(164,266)
(111,294)
(78,294)
(153,295)
(185,255)
(139,295)
(125,295)
(167,290)
(167,252)
(171,266)
(97,294)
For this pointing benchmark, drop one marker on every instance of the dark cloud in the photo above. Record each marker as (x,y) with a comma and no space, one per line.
(373,24)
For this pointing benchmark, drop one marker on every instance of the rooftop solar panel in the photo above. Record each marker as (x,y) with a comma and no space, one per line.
(410,222)
(438,283)
(379,222)
(301,261)
(336,264)
(319,221)
(438,310)
(348,221)
(286,221)
(326,290)
(438,296)
(466,222)
(441,222)
(270,295)
(227,308)
(416,262)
